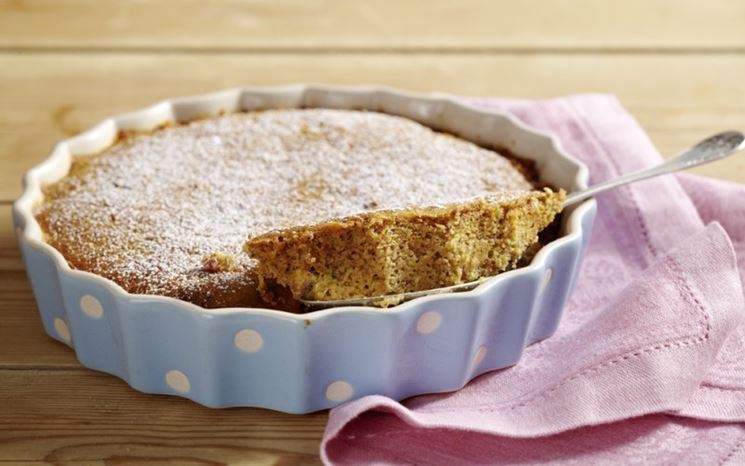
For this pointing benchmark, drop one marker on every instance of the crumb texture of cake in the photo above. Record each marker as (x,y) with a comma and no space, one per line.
(391,252)
(167,212)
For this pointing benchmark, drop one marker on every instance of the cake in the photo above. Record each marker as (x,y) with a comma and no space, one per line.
(168,212)
(392,252)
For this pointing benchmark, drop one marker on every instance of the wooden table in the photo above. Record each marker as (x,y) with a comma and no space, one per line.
(678,65)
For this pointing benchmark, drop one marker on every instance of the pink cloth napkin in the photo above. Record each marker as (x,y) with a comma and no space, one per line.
(648,364)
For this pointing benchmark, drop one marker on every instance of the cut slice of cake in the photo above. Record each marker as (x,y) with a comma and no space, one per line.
(395,251)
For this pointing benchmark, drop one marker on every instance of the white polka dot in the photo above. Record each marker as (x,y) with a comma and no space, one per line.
(339,391)
(478,358)
(249,340)
(178,381)
(546,278)
(62,330)
(428,322)
(91,306)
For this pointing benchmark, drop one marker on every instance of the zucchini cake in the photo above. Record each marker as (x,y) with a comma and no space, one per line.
(168,212)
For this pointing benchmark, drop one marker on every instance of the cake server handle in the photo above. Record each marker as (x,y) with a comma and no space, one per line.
(710,149)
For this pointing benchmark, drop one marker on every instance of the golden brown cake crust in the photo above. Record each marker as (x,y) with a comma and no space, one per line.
(159,213)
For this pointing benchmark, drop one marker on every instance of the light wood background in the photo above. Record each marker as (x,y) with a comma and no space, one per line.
(677,65)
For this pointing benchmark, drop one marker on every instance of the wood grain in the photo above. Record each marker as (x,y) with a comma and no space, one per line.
(79,415)
(384,24)
(676,98)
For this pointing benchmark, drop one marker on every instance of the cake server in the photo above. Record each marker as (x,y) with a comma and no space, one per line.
(713,148)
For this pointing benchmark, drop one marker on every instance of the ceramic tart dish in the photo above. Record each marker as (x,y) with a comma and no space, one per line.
(300,363)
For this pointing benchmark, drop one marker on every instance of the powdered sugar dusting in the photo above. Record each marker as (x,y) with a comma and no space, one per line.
(147,211)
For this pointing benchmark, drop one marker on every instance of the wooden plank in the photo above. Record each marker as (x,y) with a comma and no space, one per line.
(71,416)
(383,24)
(676,98)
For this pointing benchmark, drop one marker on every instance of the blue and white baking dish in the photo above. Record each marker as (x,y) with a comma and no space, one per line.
(303,363)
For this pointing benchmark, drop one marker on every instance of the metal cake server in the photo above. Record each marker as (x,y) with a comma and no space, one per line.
(713,148)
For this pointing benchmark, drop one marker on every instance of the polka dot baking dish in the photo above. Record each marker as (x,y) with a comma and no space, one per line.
(303,363)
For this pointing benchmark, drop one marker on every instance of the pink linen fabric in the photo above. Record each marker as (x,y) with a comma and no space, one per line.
(648,364)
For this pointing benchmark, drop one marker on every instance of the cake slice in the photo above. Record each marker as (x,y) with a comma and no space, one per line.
(395,251)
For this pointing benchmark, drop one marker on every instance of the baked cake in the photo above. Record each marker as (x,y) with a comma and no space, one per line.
(167,213)
(392,252)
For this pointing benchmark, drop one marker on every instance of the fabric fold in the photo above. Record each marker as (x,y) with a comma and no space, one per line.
(721,395)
